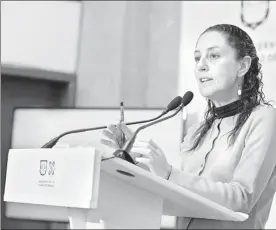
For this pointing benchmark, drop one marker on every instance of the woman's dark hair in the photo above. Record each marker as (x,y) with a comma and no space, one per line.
(252,93)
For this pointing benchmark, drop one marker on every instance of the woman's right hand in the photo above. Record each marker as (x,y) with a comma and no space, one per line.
(112,135)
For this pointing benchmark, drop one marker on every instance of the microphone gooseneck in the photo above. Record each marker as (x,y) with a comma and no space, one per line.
(53,142)
(171,106)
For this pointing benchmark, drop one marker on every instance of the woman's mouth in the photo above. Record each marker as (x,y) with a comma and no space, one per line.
(205,79)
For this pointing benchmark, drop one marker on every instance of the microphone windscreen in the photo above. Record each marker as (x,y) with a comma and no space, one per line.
(174,103)
(187,98)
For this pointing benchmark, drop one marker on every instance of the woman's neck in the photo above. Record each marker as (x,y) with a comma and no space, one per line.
(227,110)
(224,101)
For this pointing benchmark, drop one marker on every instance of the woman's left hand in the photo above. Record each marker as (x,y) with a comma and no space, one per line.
(148,153)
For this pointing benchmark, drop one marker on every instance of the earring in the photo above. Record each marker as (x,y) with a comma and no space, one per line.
(239,91)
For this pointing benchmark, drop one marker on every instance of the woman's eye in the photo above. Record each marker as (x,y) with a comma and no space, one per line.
(214,56)
(197,59)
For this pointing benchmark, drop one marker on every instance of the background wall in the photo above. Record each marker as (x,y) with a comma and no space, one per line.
(128,52)
(127,48)
(40,34)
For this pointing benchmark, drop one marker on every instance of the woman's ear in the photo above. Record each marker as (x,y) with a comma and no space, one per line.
(245,65)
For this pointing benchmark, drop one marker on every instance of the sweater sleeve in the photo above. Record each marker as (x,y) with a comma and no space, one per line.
(252,173)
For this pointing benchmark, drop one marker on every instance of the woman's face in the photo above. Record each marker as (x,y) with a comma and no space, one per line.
(216,67)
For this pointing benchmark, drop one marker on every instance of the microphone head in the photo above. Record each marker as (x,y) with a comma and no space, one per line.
(187,98)
(174,103)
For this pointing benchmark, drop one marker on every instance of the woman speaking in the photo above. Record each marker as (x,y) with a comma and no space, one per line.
(230,157)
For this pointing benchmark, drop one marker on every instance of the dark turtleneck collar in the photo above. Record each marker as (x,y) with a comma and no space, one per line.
(228,110)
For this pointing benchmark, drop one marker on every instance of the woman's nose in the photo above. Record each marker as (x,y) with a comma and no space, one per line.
(202,65)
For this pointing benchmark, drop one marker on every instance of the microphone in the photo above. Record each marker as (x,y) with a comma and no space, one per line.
(124,152)
(171,106)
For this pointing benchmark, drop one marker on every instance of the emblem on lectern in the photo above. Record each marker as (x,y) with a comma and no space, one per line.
(51,170)
(254,13)
(43,167)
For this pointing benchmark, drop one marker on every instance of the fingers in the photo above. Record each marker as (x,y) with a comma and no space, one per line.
(120,127)
(135,154)
(146,145)
(143,160)
(154,144)
(139,152)
(108,134)
(113,135)
(147,162)
(127,131)
(116,132)
(109,143)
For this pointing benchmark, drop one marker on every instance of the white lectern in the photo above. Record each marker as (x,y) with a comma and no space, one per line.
(74,184)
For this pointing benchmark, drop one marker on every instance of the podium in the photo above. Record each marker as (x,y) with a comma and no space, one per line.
(75,185)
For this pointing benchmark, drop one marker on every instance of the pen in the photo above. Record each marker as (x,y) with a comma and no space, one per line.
(122,120)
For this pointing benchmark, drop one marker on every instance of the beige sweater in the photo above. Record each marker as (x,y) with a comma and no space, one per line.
(241,178)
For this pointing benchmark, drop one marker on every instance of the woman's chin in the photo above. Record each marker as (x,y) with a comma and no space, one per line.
(207,93)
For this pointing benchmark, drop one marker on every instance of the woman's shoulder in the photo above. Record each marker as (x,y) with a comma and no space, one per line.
(264,111)
(265,114)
